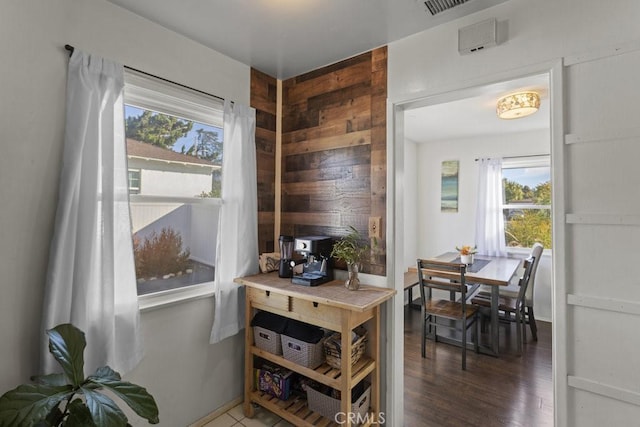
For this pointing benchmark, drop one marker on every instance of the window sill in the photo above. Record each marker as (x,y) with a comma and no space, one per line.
(175,296)
(524,252)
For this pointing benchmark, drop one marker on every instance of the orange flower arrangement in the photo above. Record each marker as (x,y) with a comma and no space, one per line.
(467,250)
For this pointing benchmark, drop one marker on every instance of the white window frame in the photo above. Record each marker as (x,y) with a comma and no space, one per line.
(519,163)
(139,172)
(145,92)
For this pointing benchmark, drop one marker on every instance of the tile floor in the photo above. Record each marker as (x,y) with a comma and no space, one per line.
(234,417)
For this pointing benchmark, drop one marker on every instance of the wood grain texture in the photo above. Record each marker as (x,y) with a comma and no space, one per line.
(263,99)
(504,391)
(331,306)
(379,150)
(334,150)
(270,287)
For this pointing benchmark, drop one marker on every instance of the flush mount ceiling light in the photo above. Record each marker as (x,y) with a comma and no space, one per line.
(518,105)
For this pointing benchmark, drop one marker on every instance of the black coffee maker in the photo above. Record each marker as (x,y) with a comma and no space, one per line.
(316,264)
(286,255)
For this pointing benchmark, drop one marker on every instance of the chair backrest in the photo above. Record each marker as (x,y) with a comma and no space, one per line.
(536,254)
(525,280)
(446,276)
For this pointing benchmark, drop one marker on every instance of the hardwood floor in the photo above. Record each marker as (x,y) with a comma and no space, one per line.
(505,391)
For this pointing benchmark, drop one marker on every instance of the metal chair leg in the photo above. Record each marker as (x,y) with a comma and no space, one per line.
(477,333)
(532,323)
(464,345)
(524,326)
(519,331)
(424,334)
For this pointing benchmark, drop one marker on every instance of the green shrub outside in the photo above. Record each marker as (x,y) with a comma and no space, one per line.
(534,226)
(160,254)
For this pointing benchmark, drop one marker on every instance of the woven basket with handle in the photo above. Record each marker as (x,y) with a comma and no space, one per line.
(333,351)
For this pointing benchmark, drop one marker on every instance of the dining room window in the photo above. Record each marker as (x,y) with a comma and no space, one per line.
(527,201)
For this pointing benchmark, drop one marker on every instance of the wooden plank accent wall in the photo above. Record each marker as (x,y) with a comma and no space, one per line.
(334,150)
(263,99)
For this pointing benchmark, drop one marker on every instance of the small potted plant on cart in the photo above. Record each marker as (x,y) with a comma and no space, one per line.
(352,249)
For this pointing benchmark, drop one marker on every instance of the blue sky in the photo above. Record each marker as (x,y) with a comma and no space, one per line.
(528,176)
(188,140)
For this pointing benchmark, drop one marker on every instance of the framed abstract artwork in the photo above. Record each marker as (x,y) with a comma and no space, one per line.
(449,186)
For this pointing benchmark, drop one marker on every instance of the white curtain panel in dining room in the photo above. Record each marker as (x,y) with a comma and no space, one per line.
(237,244)
(489,217)
(91,280)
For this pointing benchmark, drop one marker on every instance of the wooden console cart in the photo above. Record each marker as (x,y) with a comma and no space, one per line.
(330,306)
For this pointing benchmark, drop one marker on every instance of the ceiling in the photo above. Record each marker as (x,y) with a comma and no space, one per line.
(472,113)
(286,38)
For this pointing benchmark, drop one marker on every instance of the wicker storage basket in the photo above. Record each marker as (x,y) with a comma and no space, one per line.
(267,330)
(267,340)
(303,353)
(329,407)
(333,353)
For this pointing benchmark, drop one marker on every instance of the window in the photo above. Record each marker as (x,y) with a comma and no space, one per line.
(527,201)
(134,181)
(174,153)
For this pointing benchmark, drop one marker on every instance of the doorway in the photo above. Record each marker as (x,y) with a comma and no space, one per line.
(406,202)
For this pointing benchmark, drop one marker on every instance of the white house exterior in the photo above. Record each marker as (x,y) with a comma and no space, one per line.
(163,172)
(164,178)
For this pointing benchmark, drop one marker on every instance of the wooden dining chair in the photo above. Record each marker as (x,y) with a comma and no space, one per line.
(449,277)
(536,253)
(511,309)
(513,289)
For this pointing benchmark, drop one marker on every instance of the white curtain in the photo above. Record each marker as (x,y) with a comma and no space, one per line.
(489,218)
(237,246)
(91,279)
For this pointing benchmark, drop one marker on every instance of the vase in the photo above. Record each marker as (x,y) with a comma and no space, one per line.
(353,282)
(466,259)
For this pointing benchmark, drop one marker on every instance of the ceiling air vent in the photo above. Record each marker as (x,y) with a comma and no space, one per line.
(437,6)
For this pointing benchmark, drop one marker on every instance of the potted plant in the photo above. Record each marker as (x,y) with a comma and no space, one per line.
(351,249)
(466,254)
(69,399)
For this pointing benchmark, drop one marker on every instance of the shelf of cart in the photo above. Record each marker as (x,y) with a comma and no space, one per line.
(324,374)
(296,411)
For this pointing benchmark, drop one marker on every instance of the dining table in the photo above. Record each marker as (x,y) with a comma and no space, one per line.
(493,271)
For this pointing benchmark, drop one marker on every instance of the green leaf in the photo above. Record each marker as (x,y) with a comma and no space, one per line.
(54,417)
(79,415)
(133,395)
(105,373)
(51,379)
(67,343)
(104,411)
(30,403)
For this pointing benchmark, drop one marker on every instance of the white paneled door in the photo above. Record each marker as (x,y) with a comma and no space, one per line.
(598,379)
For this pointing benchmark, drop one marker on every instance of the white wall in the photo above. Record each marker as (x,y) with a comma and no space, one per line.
(178,184)
(188,377)
(410,222)
(190,220)
(439,232)
(159,178)
(540,33)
